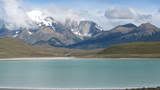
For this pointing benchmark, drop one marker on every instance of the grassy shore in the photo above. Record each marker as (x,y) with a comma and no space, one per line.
(15,48)
(132,50)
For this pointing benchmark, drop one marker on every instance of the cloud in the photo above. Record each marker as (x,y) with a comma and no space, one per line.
(156,18)
(60,14)
(120,13)
(159,10)
(14,14)
(144,18)
(127,15)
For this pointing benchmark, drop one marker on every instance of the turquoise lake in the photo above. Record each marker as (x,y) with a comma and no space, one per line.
(80,73)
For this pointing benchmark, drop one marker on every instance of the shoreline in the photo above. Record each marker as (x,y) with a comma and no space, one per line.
(65,58)
(35,58)
(34,88)
(23,88)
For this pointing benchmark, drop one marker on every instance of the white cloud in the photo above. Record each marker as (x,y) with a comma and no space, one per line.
(156,18)
(119,16)
(14,14)
(36,15)
(120,13)
(60,14)
(143,18)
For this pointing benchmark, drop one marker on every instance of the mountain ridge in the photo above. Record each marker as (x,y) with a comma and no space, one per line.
(121,34)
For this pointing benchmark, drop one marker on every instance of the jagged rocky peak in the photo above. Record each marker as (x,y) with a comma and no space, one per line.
(49,21)
(88,28)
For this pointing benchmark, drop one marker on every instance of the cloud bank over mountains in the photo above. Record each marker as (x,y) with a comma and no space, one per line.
(129,15)
(16,15)
(120,13)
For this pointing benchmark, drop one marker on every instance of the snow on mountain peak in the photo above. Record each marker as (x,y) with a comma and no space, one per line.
(40,18)
(35,15)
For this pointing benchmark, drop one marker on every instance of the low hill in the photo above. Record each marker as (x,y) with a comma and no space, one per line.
(137,49)
(15,48)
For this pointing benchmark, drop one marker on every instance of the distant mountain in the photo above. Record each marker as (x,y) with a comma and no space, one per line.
(82,35)
(88,29)
(46,30)
(84,29)
(58,34)
(50,36)
(5,32)
(121,34)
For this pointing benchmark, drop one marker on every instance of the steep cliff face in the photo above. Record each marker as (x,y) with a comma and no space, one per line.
(88,28)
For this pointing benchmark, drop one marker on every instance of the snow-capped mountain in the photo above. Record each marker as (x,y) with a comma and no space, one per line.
(40,18)
(52,32)
(88,28)
(84,29)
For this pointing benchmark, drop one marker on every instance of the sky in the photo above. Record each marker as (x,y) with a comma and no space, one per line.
(106,13)
(98,3)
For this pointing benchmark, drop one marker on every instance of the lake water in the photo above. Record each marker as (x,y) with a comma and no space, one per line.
(80,73)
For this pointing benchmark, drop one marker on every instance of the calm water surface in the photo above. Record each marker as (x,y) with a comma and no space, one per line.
(81,73)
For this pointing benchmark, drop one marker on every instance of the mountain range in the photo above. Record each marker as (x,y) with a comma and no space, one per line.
(121,34)
(81,35)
